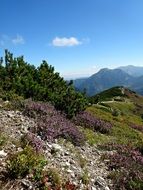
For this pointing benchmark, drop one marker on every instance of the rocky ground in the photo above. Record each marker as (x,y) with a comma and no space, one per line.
(82,166)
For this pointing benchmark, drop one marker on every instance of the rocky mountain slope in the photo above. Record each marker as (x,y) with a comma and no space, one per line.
(81,166)
(38,154)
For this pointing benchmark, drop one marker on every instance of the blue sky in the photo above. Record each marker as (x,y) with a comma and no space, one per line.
(77,37)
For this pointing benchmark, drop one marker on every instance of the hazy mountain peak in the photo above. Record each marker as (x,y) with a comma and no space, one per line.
(104,70)
(135,71)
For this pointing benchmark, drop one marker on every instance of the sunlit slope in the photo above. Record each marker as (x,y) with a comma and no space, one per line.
(124,109)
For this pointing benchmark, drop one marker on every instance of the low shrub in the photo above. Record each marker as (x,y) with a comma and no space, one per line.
(137,127)
(3,139)
(85,177)
(25,162)
(54,177)
(32,140)
(126,166)
(115,112)
(70,186)
(51,180)
(81,160)
(52,124)
(87,120)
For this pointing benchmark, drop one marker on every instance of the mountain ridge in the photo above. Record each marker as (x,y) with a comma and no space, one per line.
(108,78)
(135,71)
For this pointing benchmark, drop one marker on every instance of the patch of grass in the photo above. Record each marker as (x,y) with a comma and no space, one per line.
(124,107)
(95,138)
(3,140)
(85,177)
(25,162)
(82,161)
(121,131)
(54,177)
(104,108)
(125,135)
(133,119)
(100,113)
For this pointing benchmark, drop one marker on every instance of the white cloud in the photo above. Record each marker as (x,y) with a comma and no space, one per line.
(61,42)
(18,40)
(6,40)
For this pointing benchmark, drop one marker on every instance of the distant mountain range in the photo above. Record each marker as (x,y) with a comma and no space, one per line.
(132,70)
(127,76)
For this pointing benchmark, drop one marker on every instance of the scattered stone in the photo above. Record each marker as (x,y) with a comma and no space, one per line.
(69,171)
(107,188)
(67,164)
(57,147)
(27,183)
(101,182)
(64,156)
(19,149)
(93,188)
(2,153)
